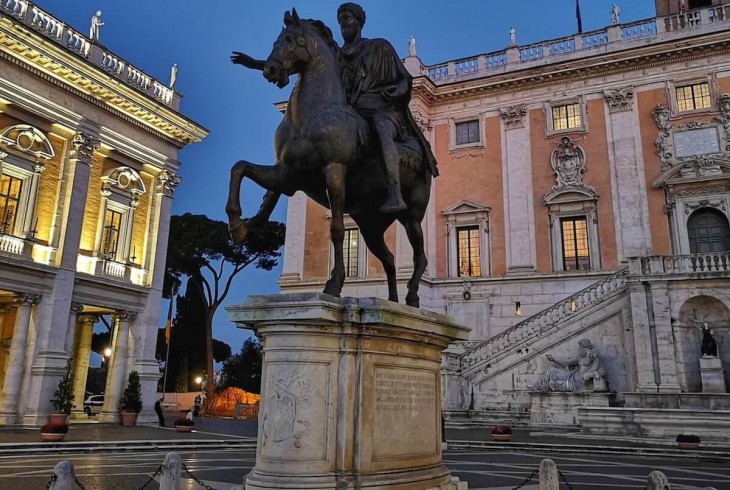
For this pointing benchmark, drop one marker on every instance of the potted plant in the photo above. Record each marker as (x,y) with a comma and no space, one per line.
(63,400)
(502,433)
(131,403)
(688,441)
(184,425)
(53,432)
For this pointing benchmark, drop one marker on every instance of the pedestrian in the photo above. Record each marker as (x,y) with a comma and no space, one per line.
(158,411)
(197,404)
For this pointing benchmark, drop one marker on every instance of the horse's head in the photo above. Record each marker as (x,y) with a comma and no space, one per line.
(294,48)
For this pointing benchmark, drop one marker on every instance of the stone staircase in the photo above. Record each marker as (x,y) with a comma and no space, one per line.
(478,355)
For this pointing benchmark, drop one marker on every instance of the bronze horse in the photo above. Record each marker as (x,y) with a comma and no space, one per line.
(324,148)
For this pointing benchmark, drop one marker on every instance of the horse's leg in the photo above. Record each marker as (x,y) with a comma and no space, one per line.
(271,198)
(414,231)
(334,174)
(270,177)
(373,232)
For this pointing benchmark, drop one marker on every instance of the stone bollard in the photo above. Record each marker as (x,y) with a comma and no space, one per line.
(65,474)
(170,477)
(549,475)
(657,481)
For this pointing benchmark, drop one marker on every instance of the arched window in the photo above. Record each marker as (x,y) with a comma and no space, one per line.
(708,231)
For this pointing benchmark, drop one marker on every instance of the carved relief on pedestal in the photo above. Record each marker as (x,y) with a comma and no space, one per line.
(290,396)
(514,117)
(619,100)
(568,161)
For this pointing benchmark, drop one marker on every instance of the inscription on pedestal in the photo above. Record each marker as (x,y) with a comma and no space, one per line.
(696,142)
(405,412)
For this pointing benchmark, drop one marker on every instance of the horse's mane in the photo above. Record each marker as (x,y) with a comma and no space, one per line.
(325,32)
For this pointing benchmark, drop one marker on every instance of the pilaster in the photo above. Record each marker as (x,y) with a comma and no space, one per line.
(668,378)
(646,378)
(81,358)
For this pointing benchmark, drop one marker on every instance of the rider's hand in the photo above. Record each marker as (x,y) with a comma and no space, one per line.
(393,92)
(242,59)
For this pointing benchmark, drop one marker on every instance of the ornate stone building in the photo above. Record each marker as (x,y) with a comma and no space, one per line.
(88,164)
(584,194)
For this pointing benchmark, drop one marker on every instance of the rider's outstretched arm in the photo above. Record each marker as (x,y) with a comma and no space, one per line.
(238,58)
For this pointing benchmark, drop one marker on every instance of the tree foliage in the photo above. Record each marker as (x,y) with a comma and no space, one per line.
(243,370)
(201,250)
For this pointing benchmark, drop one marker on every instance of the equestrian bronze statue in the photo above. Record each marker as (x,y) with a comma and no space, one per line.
(347,140)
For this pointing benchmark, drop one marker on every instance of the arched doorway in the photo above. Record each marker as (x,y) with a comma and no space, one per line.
(708,231)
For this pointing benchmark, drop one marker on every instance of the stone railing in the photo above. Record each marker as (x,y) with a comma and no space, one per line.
(54,29)
(707,263)
(584,44)
(534,326)
(114,269)
(11,244)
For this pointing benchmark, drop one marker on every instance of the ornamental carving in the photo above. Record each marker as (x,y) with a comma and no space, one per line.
(27,299)
(167,182)
(27,139)
(126,315)
(569,162)
(700,167)
(2,155)
(84,147)
(620,100)
(663,144)
(723,106)
(424,124)
(290,397)
(514,117)
(77,307)
(705,203)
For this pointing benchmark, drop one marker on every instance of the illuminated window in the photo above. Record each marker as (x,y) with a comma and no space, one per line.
(576,255)
(350,248)
(111,233)
(693,97)
(10,189)
(468,251)
(566,117)
(467,132)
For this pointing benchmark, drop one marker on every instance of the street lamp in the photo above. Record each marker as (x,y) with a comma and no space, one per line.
(199,380)
(107,352)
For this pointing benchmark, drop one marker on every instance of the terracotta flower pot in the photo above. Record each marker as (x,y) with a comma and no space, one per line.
(52,437)
(58,418)
(688,445)
(501,437)
(129,418)
(184,428)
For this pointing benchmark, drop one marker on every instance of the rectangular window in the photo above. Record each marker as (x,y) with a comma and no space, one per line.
(10,188)
(575,244)
(693,97)
(350,248)
(467,132)
(566,117)
(112,228)
(468,251)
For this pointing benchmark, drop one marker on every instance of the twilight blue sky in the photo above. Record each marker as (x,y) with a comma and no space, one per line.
(236,105)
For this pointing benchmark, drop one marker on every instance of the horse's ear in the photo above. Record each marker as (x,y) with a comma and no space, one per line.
(295,15)
(288,19)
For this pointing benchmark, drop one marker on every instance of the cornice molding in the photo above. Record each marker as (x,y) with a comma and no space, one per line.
(67,70)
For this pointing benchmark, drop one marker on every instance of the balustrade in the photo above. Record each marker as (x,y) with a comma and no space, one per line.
(493,60)
(531,53)
(438,72)
(112,64)
(466,66)
(11,244)
(114,269)
(16,8)
(594,39)
(703,263)
(638,30)
(562,46)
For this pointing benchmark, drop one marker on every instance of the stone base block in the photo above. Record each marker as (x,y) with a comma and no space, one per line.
(109,417)
(561,408)
(713,376)
(350,393)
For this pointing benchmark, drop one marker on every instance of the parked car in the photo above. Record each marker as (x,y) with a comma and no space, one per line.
(93,404)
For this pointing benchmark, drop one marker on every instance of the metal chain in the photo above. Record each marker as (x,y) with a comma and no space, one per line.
(527,480)
(51,481)
(76,480)
(562,477)
(152,478)
(207,487)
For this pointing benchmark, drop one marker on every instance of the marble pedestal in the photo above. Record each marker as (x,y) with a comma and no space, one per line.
(350,393)
(561,408)
(713,376)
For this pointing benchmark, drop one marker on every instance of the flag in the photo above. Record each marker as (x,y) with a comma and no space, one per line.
(168,325)
(577,16)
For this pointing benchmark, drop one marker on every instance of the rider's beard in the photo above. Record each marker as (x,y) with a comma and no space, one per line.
(348,33)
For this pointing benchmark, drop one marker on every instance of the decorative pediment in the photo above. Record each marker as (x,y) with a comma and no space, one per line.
(699,169)
(570,194)
(465,206)
(27,139)
(124,179)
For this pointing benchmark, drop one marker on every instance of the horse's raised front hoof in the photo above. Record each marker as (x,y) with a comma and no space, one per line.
(238,229)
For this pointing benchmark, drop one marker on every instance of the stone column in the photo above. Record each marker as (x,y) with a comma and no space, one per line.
(296,214)
(117,373)
(14,372)
(646,377)
(519,219)
(668,379)
(626,162)
(81,361)
(52,317)
(145,330)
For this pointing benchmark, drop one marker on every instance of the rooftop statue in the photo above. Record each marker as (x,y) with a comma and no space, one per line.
(583,373)
(348,140)
(95,27)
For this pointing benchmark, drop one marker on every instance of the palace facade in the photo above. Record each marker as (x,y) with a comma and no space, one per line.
(584,194)
(88,167)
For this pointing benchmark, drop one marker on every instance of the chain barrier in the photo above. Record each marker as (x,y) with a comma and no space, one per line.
(152,478)
(78,483)
(535,472)
(51,481)
(562,477)
(196,479)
